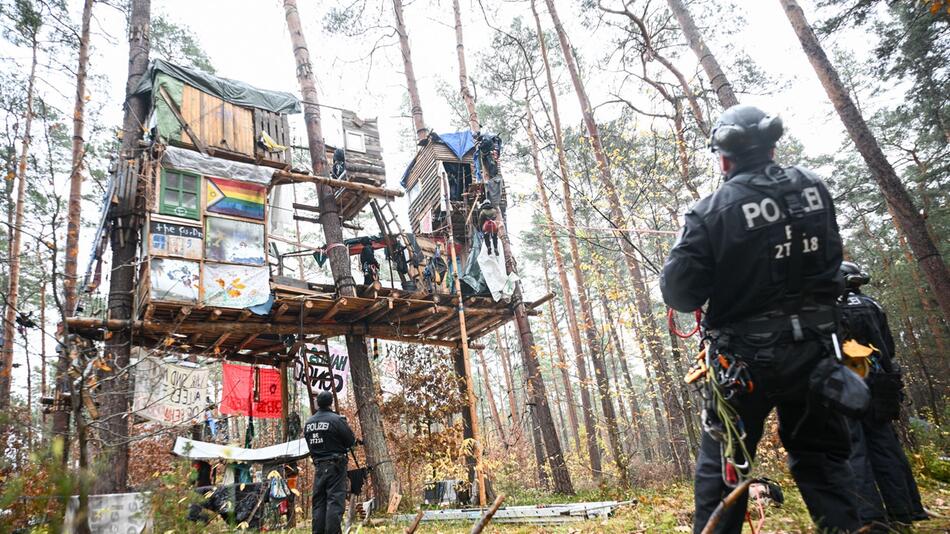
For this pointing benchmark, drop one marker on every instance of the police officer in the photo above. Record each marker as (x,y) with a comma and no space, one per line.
(329,438)
(763,251)
(880,466)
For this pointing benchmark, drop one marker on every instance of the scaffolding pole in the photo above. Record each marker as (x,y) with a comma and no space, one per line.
(463,333)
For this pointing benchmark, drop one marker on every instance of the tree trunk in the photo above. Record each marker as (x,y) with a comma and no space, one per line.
(70,274)
(562,362)
(491,401)
(374,438)
(906,215)
(537,394)
(115,393)
(414,102)
(463,72)
(13,280)
(636,414)
(514,412)
(640,292)
(717,77)
(536,439)
(590,424)
(75,177)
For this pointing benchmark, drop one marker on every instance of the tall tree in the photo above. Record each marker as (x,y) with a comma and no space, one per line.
(415,102)
(720,83)
(651,330)
(115,393)
(374,439)
(590,425)
(906,215)
(536,390)
(73,218)
(28,25)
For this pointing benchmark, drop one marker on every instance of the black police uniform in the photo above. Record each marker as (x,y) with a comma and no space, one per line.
(329,438)
(882,471)
(736,251)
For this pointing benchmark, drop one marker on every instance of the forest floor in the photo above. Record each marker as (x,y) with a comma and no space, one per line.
(669,509)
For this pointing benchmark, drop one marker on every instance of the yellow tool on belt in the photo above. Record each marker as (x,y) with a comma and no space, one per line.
(858,356)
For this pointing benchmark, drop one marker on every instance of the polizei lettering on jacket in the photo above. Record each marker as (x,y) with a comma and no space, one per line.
(766,211)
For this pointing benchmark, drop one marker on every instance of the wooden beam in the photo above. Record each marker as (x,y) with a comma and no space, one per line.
(215,314)
(333,310)
(419,314)
(247,342)
(375,307)
(281,310)
(289,177)
(437,323)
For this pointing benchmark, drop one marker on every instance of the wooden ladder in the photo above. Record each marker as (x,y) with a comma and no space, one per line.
(387,221)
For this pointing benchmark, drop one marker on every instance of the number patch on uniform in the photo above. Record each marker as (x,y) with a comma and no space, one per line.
(784,250)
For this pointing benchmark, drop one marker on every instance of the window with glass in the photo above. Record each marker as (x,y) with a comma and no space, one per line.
(179,194)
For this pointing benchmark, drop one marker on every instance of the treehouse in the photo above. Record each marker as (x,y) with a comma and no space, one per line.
(211,269)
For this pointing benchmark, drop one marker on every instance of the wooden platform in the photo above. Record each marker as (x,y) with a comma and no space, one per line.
(302,310)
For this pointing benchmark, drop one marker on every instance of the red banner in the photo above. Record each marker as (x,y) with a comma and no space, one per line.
(253,391)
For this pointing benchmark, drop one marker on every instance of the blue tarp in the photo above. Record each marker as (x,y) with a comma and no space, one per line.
(460,143)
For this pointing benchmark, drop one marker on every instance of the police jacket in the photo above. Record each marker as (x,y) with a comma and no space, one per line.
(736,244)
(328,435)
(863,320)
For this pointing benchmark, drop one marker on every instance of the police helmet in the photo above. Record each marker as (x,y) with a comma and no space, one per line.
(743,130)
(324,399)
(339,155)
(854,277)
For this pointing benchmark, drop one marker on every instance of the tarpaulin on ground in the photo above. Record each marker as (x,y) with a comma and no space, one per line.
(128,513)
(233,91)
(169,393)
(235,286)
(196,162)
(202,450)
(250,390)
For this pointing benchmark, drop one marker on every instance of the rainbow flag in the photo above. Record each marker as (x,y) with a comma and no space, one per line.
(240,199)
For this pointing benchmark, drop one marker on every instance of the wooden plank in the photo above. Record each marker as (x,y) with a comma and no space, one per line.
(333,310)
(247,342)
(379,305)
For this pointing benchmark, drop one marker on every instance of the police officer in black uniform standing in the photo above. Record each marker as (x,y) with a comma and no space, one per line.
(329,438)
(763,251)
(884,479)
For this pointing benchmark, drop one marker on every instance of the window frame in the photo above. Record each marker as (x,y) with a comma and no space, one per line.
(357,134)
(189,213)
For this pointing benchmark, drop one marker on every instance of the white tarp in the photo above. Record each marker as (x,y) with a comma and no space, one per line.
(501,284)
(202,450)
(114,513)
(189,160)
(169,393)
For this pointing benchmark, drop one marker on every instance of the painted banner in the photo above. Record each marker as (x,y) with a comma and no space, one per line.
(174,280)
(235,286)
(172,239)
(320,377)
(114,513)
(169,393)
(240,199)
(234,241)
(253,391)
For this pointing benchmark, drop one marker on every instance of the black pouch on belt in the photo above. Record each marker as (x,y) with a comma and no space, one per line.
(839,388)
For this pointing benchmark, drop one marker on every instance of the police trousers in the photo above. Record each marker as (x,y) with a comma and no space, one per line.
(329,496)
(884,480)
(816,439)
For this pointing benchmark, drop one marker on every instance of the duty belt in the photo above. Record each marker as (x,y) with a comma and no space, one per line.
(794,323)
(331,459)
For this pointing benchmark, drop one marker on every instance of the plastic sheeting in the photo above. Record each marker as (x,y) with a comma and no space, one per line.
(233,91)
(189,160)
(202,450)
(499,282)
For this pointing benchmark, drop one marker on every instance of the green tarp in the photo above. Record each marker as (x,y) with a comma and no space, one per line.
(233,91)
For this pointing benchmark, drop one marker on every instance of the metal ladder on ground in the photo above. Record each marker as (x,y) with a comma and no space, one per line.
(396,241)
